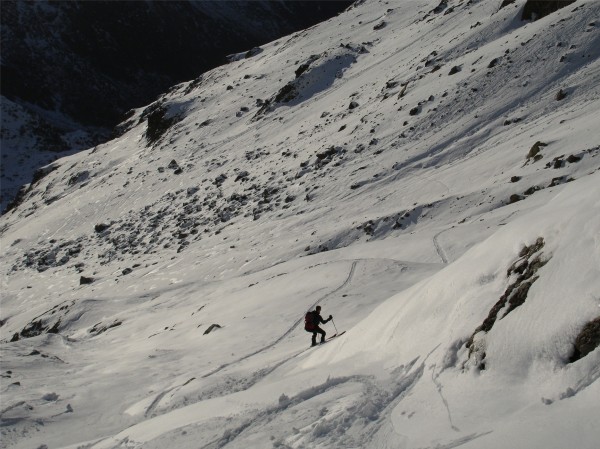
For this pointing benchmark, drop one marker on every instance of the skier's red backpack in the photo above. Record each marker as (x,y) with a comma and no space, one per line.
(309,321)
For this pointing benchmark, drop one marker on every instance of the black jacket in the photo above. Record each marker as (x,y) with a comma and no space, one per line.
(318,319)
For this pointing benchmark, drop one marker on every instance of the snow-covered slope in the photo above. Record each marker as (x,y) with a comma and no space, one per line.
(71,70)
(427,172)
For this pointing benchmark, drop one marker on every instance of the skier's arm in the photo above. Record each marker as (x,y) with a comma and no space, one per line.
(322,321)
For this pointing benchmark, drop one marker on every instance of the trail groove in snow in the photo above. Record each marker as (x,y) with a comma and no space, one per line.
(439,387)
(289,331)
(438,247)
(159,397)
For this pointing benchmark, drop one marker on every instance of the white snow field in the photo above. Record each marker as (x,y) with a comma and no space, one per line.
(426,172)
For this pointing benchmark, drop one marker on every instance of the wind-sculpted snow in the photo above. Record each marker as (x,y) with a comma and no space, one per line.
(435,193)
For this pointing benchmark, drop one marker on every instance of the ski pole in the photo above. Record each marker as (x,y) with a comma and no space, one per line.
(334,325)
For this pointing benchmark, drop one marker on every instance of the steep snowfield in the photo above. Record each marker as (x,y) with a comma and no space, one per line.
(409,166)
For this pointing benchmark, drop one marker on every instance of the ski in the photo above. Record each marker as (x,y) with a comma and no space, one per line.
(329,339)
(335,335)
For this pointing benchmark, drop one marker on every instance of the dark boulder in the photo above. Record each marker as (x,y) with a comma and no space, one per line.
(83,280)
(536,9)
(211,328)
(101,227)
(454,70)
(587,340)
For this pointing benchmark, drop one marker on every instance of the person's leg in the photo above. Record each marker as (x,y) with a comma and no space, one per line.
(323,333)
(314,338)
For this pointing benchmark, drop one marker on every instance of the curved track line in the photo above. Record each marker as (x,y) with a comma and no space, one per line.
(290,330)
(439,248)
(159,397)
(439,387)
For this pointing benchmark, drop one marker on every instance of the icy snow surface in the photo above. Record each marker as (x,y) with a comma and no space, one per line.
(411,169)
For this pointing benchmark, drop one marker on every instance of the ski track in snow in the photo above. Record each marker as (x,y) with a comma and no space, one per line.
(439,248)
(373,403)
(439,387)
(159,397)
(462,441)
(288,332)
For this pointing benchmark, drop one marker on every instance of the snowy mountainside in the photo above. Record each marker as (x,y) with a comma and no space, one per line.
(427,172)
(73,69)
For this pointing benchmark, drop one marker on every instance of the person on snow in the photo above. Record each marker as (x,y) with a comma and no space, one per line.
(311,324)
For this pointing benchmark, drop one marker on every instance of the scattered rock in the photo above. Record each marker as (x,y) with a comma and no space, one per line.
(557,162)
(100,327)
(557,181)
(506,3)
(560,95)
(101,227)
(253,52)
(79,178)
(211,328)
(286,94)
(219,180)
(536,9)
(535,149)
(83,280)
(159,122)
(525,269)
(33,329)
(514,198)
(41,173)
(439,8)
(511,121)
(242,176)
(455,70)
(50,397)
(531,190)
(304,67)
(587,340)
